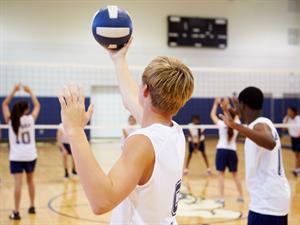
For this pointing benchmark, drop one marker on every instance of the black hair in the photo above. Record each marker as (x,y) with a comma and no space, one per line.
(293,109)
(252,97)
(17,111)
(196,117)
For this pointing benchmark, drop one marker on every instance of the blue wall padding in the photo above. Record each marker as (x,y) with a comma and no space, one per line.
(49,114)
(274,109)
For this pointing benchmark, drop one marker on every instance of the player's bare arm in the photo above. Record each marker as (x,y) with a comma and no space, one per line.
(36,104)
(104,191)
(261,134)
(128,86)
(7,100)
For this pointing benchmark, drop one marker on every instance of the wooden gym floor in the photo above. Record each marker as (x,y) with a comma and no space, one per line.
(62,202)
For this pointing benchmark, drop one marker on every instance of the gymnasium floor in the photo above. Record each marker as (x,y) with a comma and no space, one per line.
(62,202)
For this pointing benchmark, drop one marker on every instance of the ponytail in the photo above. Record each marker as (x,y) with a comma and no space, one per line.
(17,111)
(230,132)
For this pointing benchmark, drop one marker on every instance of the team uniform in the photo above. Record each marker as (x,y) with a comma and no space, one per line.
(23,153)
(197,137)
(226,150)
(294,132)
(266,182)
(64,139)
(156,201)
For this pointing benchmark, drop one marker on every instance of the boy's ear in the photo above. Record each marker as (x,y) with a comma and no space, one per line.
(145,90)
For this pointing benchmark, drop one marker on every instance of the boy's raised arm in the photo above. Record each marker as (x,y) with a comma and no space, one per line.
(127,84)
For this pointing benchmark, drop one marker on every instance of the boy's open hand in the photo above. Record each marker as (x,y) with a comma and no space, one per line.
(73,112)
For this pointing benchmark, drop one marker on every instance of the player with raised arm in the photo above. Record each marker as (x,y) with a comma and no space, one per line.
(143,185)
(265,178)
(23,153)
(226,152)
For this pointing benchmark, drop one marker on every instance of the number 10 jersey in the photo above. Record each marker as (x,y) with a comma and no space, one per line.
(22,146)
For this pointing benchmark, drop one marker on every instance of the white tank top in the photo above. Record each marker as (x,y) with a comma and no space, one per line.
(223,142)
(265,178)
(22,147)
(196,133)
(156,201)
(64,139)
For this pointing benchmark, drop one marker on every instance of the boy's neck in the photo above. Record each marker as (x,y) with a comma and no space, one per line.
(253,115)
(151,116)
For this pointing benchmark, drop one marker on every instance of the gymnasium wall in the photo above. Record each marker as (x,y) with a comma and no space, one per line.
(59,32)
(48,44)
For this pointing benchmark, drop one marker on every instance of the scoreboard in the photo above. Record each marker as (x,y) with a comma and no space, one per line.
(197,32)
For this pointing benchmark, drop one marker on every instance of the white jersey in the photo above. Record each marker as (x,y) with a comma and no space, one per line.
(223,142)
(196,133)
(294,131)
(22,146)
(64,138)
(265,178)
(156,201)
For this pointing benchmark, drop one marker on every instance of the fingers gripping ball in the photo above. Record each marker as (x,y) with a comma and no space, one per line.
(112,27)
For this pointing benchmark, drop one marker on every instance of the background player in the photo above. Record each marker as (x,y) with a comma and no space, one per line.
(196,142)
(226,151)
(292,118)
(144,183)
(132,126)
(265,178)
(23,153)
(65,148)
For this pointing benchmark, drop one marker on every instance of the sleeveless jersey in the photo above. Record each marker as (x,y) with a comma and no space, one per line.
(223,142)
(156,201)
(22,146)
(265,178)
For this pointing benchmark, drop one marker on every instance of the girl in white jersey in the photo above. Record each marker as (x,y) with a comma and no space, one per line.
(226,152)
(143,185)
(265,178)
(23,152)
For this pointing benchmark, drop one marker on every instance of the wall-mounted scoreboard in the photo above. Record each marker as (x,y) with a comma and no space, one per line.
(197,32)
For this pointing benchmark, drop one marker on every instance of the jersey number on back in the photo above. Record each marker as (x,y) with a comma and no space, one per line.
(176,197)
(25,138)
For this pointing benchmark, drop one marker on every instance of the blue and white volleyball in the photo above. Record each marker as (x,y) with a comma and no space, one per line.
(112,27)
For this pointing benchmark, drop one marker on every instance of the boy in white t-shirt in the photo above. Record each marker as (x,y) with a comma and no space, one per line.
(143,185)
(265,178)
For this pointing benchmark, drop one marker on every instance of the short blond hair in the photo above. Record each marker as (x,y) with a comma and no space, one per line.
(170,83)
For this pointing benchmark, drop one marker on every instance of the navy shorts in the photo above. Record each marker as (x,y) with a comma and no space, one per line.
(226,158)
(261,219)
(20,166)
(295,144)
(192,146)
(68,148)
